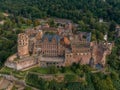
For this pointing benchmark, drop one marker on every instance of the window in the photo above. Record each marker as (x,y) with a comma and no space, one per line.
(81,53)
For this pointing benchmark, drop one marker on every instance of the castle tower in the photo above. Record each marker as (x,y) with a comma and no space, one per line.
(39,35)
(23,50)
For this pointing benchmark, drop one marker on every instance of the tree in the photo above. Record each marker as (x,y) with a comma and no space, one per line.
(29,22)
(70,78)
(51,22)
(52,70)
(112,26)
(36,22)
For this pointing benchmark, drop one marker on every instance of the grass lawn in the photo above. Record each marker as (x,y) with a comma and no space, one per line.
(24,26)
(6,70)
(39,70)
(46,71)
(15,73)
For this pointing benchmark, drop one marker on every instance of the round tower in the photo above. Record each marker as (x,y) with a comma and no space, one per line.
(23,42)
(39,34)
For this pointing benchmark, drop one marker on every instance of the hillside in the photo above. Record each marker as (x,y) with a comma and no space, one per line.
(87,14)
(72,9)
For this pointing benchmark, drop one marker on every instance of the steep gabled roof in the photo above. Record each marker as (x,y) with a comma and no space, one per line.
(50,37)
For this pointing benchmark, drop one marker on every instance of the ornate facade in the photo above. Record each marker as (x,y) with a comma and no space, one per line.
(23,43)
(59,48)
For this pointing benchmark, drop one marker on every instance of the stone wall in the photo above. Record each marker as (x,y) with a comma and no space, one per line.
(51,61)
(10,64)
(82,58)
(23,43)
(22,64)
(10,61)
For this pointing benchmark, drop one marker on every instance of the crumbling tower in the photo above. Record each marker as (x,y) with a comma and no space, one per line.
(23,50)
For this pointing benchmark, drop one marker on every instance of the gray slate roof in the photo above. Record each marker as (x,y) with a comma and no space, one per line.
(50,37)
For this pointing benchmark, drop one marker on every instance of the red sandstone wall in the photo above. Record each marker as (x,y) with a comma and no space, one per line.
(23,42)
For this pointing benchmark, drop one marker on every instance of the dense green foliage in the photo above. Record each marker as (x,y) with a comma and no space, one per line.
(72,9)
(24,14)
(38,82)
(8,35)
(84,12)
(114,64)
(89,81)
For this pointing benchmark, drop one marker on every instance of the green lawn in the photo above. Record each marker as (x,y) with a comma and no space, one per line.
(6,70)
(24,26)
(15,73)
(39,70)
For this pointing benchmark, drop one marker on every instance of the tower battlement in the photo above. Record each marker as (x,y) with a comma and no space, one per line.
(23,43)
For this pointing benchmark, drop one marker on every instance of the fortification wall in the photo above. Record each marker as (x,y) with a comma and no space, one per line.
(10,61)
(22,64)
(12,57)
(15,63)
(23,43)
(10,64)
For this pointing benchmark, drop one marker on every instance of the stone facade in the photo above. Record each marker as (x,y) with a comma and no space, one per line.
(19,64)
(23,42)
(80,50)
(60,48)
(50,46)
(26,63)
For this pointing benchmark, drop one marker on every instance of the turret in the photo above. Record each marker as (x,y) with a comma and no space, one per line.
(23,50)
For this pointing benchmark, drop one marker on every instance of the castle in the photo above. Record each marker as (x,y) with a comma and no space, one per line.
(46,46)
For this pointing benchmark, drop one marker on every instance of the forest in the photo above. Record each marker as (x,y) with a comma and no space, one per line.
(71,9)
(23,14)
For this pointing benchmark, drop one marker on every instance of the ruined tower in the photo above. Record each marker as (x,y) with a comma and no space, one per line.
(23,50)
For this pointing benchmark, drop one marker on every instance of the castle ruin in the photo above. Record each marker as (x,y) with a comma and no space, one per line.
(45,46)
